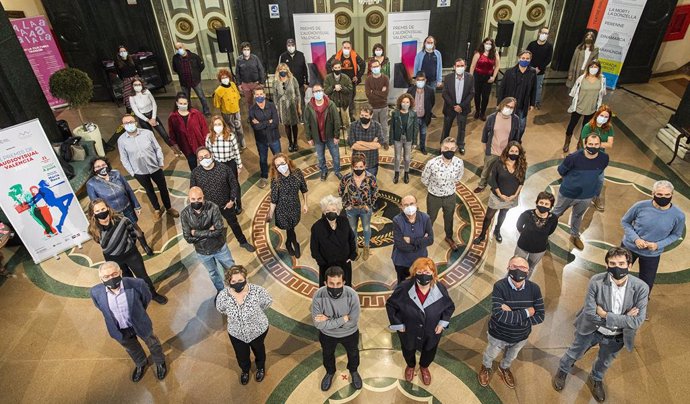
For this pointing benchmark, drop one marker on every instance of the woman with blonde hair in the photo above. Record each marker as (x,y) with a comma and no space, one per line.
(287,182)
(420,300)
(226,97)
(224,144)
(287,99)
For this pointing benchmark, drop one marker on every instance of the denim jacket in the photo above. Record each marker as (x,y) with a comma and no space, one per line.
(116,192)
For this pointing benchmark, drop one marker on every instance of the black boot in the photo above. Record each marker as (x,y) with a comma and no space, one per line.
(396,177)
(566,143)
(406,178)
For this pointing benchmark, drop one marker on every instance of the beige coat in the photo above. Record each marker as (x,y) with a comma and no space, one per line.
(576,69)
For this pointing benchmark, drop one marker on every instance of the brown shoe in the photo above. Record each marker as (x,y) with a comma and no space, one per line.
(426,375)
(451,243)
(173,212)
(157,214)
(409,374)
(478,190)
(577,242)
(507,377)
(484,376)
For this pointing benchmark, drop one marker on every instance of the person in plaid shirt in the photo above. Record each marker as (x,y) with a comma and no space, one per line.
(223,142)
(365,138)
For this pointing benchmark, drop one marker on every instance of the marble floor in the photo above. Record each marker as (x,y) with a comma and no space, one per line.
(54,347)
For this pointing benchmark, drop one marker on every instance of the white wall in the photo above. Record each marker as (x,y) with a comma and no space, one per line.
(674,54)
(31,8)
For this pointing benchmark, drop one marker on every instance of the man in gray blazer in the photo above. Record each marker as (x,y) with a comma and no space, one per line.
(458,92)
(615,307)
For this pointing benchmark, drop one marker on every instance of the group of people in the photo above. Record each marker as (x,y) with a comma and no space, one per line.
(420,308)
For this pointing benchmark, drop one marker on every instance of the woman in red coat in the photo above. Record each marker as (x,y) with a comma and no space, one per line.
(187,128)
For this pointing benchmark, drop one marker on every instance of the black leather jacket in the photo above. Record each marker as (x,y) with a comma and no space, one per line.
(206,242)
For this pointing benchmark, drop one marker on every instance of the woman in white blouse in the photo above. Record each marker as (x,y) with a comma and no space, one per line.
(244,305)
(144,107)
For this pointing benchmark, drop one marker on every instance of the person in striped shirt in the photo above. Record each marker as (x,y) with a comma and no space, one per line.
(517,304)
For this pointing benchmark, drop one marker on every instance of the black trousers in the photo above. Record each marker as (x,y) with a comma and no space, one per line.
(136,352)
(231,217)
(402,272)
(346,266)
(291,133)
(448,124)
(233,166)
(490,213)
(242,350)
(350,343)
(574,118)
(158,128)
(482,91)
(425,358)
(132,265)
(648,268)
(147,181)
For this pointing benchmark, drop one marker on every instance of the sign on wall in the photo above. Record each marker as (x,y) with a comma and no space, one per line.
(35,194)
(315,36)
(406,34)
(40,48)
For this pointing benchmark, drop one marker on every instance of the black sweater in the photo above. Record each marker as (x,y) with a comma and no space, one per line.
(332,247)
(535,231)
(502,179)
(514,326)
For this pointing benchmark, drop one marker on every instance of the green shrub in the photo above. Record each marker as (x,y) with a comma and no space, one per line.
(73,86)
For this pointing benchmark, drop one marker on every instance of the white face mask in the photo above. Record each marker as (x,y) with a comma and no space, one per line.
(138,88)
(218,128)
(182,107)
(246,53)
(507,111)
(283,169)
(542,37)
(181,51)
(602,120)
(130,127)
(291,49)
(487,47)
(593,71)
(346,52)
(429,46)
(410,210)
(460,70)
(405,106)
(123,54)
(225,81)
(378,52)
(206,162)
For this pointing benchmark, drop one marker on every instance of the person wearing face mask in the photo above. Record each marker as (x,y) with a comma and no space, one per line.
(142,157)
(614,309)
(520,82)
(458,92)
(223,145)
(517,305)
(403,134)
(335,313)
(378,55)
(249,72)
(506,180)
(108,184)
(484,68)
(226,97)
(286,96)
(338,88)
(322,130)
(144,107)
(501,127)
(650,226)
(600,124)
(365,137)
(220,186)
(244,304)
(580,172)
(583,55)
(123,303)
(359,190)
(542,51)
(117,236)
(376,90)
(535,226)
(188,66)
(202,226)
(263,116)
(352,66)
(424,101)
(127,72)
(333,243)
(187,128)
(297,64)
(287,183)
(419,310)
(441,175)
(586,98)
(429,61)
(413,232)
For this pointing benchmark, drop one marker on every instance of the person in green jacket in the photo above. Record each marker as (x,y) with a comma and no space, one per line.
(338,88)
(403,134)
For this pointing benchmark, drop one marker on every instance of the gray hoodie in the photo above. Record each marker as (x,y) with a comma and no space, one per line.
(335,309)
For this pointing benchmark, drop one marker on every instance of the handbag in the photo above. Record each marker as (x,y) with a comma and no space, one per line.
(78,152)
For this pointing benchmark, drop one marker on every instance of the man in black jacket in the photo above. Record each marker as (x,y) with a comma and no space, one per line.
(249,73)
(333,243)
(202,226)
(424,101)
(520,82)
(188,66)
(458,92)
(263,116)
(298,66)
(352,66)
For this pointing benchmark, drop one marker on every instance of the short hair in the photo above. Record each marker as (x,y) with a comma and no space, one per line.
(662,184)
(459,60)
(202,148)
(374,61)
(257,88)
(317,84)
(522,52)
(331,200)
(378,46)
(448,140)
(224,73)
(358,158)
(346,41)
(336,62)
(334,272)
(544,27)
(420,75)
(617,252)
(402,97)
(245,44)
(180,96)
(593,135)
(366,108)
(421,263)
(545,196)
(234,270)
(107,265)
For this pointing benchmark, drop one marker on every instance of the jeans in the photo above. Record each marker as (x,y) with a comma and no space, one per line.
(540,86)
(263,155)
(350,343)
(242,351)
(648,268)
(231,217)
(532,258)
(448,123)
(373,170)
(496,346)
(136,352)
(222,257)
(434,203)
(579,208)
(129,213)
(321,155)
(354,215)
(486,170)
(422,132)
(199,93)
(160,128)
(147,180)
(235,121)
(522,115)
(380,115)
(608,350)
(482,91)
(403,151)
(191,161)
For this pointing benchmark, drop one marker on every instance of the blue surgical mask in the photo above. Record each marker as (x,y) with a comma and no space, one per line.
(524,63)
(130,127)
(421,83)
(260,99)
(601,120)
(376,70)
(318,95)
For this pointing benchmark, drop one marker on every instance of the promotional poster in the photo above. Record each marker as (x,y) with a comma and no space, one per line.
(406,34)
(315,36)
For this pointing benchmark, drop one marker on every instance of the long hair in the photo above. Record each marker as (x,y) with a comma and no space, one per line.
(506,101)
(401,98)
(492,52)
(94,229)
(104,159)
(581,46)
(118,60)
(593,122)
(179,96)
(281,65)
(423,263)
(273,171)
(227,132)
(520,164)
(141,81)
(596,63)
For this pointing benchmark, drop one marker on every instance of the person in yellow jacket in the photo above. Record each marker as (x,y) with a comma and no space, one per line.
(226,97)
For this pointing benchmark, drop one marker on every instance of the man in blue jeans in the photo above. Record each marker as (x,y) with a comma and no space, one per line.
(202,226)
(263,115)
(321,127)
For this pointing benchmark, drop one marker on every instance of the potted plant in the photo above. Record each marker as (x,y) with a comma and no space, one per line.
(76,87)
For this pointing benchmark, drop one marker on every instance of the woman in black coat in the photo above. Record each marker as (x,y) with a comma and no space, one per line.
(333,243)
(419,310)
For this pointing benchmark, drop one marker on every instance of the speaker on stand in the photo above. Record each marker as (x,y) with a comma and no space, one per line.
(504,35)
(225,43)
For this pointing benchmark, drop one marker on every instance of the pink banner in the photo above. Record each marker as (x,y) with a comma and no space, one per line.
(37,40)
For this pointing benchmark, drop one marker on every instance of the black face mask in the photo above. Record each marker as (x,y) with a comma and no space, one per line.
(237,287)
(662,201)
(592,150)
(514,157)
(423,279)
(618,273)
(517,275)
(331,216)
(196,205)
(543,209)
(448,154)
(102,215)
(365,120)
(335,293)
(102,172)
(113,283)
(358,172)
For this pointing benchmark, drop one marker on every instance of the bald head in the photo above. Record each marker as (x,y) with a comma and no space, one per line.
(408,199)
(196,195)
